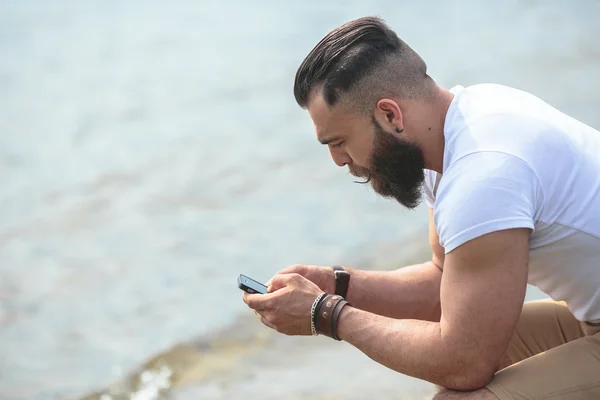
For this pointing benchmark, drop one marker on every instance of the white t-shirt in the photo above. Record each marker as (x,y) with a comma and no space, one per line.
(513,161)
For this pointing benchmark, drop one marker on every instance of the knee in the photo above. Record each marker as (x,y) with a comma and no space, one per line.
(481,394)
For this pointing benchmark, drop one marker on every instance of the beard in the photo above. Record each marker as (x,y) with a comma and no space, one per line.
(395,168)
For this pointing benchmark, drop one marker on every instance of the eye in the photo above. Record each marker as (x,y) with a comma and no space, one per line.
(337,144)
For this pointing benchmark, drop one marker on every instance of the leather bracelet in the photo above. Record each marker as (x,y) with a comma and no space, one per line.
(325,313)
(328,314)
(336,317)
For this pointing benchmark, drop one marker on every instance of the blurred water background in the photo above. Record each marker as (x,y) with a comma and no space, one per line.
(151,151)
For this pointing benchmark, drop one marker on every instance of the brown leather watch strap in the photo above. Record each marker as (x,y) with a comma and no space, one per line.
(342,280)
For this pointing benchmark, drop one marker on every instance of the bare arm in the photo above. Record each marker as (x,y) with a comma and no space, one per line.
(482,293)
(410,293)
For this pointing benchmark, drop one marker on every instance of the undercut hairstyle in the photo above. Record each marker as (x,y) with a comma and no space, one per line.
(359,63)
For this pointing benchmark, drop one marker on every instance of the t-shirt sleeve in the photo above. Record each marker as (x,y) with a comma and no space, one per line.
(482,193)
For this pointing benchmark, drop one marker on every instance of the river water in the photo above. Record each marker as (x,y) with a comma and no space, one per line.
(152,151)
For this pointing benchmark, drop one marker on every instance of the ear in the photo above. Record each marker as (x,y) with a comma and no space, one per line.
(389,116)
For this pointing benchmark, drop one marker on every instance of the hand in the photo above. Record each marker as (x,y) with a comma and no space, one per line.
(286,308)
(321,276)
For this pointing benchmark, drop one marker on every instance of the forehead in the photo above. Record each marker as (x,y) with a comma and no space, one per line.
(331,121)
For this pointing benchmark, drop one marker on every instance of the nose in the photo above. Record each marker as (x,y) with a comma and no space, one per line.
(340,158)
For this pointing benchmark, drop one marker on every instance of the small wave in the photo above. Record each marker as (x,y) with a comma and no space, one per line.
(214,355)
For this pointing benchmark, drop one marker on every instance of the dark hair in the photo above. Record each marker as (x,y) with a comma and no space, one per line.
(354,51)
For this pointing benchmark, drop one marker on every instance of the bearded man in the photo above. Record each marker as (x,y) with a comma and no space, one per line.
(513,187)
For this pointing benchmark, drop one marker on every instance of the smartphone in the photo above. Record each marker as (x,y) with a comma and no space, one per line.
(249,285)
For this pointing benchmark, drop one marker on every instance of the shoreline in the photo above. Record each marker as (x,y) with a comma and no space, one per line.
(246,357)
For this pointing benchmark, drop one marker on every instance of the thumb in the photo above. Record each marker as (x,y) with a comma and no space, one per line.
(280,281)
(269,286)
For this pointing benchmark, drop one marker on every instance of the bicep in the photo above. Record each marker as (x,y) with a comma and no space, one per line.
(434,241)
(482,292)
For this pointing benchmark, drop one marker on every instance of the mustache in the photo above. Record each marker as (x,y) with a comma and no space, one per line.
(360,172)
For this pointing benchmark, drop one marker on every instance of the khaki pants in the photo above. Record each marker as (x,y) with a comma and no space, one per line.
(555,357)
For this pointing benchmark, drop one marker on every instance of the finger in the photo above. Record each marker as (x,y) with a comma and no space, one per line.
(296,268)
(257,301)
(281,281)
(268,285)
(245,297)
(271,287)
(264,320)
(251,299)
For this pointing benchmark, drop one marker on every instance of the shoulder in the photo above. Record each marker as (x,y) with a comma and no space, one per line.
(483,192)
(518,139)
(480,169)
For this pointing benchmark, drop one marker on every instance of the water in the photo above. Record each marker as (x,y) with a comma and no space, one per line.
(152,151)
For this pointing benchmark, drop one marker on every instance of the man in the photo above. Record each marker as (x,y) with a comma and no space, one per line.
(513,187)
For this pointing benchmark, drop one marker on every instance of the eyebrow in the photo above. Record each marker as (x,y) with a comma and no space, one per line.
(327,140)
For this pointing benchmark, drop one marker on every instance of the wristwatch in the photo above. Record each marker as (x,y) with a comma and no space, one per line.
(342,280)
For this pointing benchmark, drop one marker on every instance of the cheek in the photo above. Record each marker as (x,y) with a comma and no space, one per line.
(360,155)
(366,148)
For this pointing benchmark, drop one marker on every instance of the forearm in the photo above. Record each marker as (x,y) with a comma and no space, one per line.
(409,293)
(412,347)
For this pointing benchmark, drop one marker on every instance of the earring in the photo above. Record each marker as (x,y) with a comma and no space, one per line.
(398,130)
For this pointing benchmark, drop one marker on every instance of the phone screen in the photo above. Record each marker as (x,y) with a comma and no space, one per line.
(250,285)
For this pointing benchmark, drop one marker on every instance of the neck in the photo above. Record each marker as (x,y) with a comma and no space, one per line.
(427,123)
